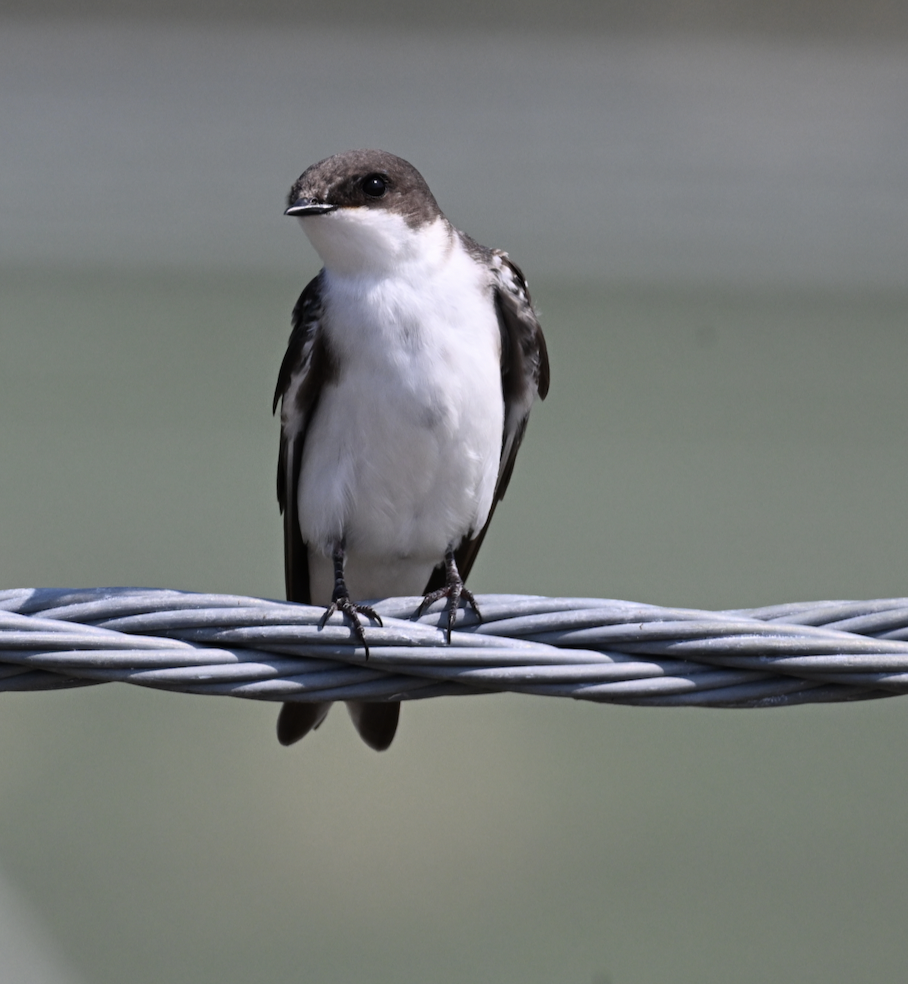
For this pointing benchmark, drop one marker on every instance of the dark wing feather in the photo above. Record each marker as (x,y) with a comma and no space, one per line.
(307,366)
(524,376)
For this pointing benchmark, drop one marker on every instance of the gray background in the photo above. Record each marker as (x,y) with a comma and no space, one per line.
(714,225)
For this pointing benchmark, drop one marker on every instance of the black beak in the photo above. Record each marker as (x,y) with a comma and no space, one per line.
(309,206)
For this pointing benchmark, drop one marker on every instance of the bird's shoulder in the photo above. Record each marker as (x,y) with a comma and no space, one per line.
(524,356)
(307,363)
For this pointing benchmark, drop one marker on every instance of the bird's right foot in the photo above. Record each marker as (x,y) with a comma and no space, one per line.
(341,602)
(352,611)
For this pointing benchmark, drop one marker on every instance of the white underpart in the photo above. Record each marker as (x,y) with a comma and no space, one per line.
(402,457)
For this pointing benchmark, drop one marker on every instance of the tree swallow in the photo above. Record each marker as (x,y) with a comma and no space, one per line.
(413,362)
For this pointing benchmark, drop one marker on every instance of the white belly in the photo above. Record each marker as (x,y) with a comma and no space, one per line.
(402,456)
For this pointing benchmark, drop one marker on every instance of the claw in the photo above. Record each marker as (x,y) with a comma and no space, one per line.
(341,602)
(453,590)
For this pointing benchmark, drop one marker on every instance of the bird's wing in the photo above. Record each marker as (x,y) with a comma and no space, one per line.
(307,366)
(524,376)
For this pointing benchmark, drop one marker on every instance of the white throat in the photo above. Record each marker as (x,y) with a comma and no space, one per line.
(366,241)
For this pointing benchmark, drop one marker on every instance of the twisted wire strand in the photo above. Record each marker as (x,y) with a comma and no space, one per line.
(586,648)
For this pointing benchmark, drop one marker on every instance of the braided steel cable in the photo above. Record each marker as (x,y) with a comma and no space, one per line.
(586,648)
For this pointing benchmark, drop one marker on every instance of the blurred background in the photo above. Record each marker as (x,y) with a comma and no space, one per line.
(710,201)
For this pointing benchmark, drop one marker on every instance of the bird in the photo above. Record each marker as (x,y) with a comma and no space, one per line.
(414,358)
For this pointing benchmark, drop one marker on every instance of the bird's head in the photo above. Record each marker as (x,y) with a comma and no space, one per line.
(362,208)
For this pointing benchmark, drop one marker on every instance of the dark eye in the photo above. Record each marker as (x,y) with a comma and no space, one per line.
(374,185)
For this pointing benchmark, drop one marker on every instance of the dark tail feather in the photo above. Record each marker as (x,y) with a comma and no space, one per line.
(376,723)
(296,721)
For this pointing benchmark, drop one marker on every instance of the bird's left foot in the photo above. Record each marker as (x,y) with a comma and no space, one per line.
(453,590)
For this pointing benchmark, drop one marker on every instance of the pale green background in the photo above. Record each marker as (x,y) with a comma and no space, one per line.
(715,228)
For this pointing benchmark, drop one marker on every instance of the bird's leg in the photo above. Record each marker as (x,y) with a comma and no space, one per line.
(453,590)
(341,602)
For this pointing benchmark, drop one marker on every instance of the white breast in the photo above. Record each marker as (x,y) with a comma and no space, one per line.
(402,457)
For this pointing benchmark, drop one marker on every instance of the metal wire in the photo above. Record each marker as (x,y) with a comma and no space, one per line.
(587,648)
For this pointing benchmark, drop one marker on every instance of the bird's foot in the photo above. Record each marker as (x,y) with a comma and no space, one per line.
(453,590)
(352,611)
(341,601)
